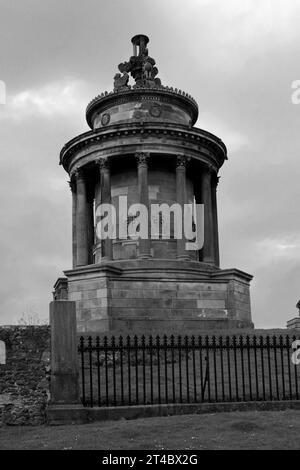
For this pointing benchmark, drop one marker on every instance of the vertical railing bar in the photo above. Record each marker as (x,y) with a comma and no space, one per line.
(158,368)
(165,343)
(248,346)
(215,366)
(98,370)
(106,369)
(282,366)
(269,367)
(179,365)
(289,365)
(91,370)
(129,368)
(194,369)
(276,367)
(136,370)
(113,346)
(187,368)
(234,345)
(255,365)
(144,370)
(173,369)
(228,346)
(82,370)
(151,367)
(241,344)
(121,368)
(222,367)
(295,372)
(261,345)
(207,371)
(201,368)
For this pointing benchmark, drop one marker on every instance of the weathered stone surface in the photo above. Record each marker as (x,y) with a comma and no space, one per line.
(64,356)
(24,378)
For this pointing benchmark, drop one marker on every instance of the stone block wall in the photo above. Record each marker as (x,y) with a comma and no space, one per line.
(25,375)
(239,300)
(91,294)
(164,294)
(164,303)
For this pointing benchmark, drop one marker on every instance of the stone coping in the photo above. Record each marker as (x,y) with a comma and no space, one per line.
(171,269)
(71,414)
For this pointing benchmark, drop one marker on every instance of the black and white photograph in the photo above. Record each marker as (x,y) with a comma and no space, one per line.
(150,228)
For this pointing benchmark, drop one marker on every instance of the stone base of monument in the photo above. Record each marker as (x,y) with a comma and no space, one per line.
(294,323)
(157,295)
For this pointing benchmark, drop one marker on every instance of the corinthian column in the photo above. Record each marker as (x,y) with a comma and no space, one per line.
(142,159)
(105,195)
(206,196)
(215,181)
(72,184)
(82,248)
(181,199)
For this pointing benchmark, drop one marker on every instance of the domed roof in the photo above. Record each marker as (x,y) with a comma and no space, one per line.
(146,100)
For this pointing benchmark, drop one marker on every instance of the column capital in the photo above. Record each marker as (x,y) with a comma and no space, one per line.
(142,158)
(103,163)
(78,173)
(182,161)
(72,184)
(209,168)
(216,180)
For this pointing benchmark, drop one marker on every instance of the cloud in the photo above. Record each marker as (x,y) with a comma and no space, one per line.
(235,140)
(64,98)
(237,58)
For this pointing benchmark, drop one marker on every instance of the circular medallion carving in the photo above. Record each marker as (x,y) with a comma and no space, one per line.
(155,110)
(105,119)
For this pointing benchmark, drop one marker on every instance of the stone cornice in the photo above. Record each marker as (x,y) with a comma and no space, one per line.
(176,131)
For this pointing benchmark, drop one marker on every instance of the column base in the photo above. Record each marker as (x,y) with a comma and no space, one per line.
(145,256)
(105,259)
(183,258)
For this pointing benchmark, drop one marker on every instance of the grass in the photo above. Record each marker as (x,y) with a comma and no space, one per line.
(238,430)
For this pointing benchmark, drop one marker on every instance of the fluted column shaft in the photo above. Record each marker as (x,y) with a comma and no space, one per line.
(82,248)
(215,180)
(105,194)
(181,198)
(74,236)
(142,159)
(206,196)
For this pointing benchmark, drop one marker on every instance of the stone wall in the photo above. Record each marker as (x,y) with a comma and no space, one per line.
(24,378)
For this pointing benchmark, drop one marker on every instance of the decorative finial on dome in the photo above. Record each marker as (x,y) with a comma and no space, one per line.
(140,66)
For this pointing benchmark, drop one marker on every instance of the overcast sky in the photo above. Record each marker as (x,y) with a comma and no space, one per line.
(237,58)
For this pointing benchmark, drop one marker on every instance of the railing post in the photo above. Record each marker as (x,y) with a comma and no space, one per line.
(64,353)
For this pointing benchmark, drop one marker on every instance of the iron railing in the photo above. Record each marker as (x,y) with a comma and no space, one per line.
(132,371)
